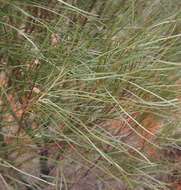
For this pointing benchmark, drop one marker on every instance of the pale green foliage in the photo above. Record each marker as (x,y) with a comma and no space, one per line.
(73,66)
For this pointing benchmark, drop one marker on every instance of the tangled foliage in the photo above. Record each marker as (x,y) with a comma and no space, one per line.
(90,94)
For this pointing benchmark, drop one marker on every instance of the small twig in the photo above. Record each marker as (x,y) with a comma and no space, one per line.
(5,183)
(8,165)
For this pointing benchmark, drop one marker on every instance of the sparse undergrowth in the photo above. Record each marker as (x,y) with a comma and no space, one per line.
(90,94)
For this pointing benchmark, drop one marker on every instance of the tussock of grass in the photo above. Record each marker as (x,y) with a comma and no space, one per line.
(90,92)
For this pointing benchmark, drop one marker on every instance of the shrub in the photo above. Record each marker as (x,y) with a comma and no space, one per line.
(90,94)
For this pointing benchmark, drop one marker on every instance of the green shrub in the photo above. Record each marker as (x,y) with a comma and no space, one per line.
(90,93)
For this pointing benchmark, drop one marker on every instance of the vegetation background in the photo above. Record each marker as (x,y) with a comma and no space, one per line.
(90,95)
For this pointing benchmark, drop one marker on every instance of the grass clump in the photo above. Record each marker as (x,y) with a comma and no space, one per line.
(90,94)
